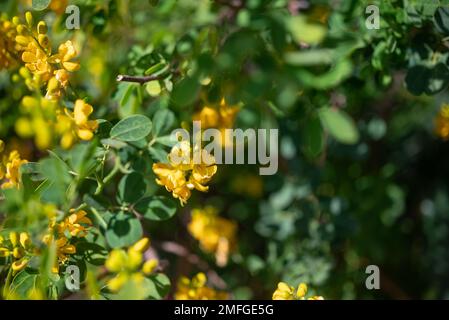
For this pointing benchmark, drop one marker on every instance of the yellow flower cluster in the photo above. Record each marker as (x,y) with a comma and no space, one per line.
(442,122)
(75,225)
(47,120)
(37,55)
(128,265)
(215,234)
(181,176)
(9,167)
(221,117)
(19,247)
(8,48)
(45,117)
(286,292)
(196,289)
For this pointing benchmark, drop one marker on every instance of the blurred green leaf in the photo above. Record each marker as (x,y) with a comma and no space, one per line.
(339,125)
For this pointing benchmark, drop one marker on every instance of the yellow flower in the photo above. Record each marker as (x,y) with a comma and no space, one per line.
(63,249)
(127,265)
(215,234)
(12,164)
(7,44)
(181,175)
(77,224)
(84,127)
(442,122)
(36,60)
(283,292)
(66,52)
(287,292)
(221,117)
(19,249)
(19,264)
(149,266)
(196,289)
(141,246)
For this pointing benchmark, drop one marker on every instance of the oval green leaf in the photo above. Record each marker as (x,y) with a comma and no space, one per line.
(339,125)
(40,4)
(157,208)
(123,230)
(133,128)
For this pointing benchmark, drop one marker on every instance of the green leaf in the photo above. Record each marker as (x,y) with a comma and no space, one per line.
(185,92)
(156,208)
(303,31)
(153,88)
(159,287)
(157,69)
(339,125)
(158,154)
(310,57)
(332,78)
(163,120)
(25,281)
(133,128)
(33,169)
(429,80)
(131,188)
(40,4)
(123,230)
(57,178)
(441,20)
(313,137)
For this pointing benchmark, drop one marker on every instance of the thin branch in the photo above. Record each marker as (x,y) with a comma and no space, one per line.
(144,79)
(137,79)
(179,250)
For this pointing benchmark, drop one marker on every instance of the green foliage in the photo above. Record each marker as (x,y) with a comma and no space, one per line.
(361,180)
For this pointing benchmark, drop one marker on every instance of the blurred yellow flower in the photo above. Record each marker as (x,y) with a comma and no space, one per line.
(215,234)
(76,224)
(63,249)
(8,50)
(180,177)
(19,248)
(442,122)
(196,289)
(83,127)
(127,265)
(287,292)
(221,118)
(9,169)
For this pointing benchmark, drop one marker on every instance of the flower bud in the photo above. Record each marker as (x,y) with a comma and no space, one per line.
(19,265)
(4,252)
(141,245)
(16,20)
(149,266)
(18,252)
(25,240)
(302,290)
(14,238)
(116,260)
(43,40)
(21,29)
(22,40)
(134,259)
(29,18)
(42,27)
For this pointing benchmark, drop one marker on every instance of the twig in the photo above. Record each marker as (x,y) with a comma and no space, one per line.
(137,79)
(179,250)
